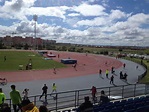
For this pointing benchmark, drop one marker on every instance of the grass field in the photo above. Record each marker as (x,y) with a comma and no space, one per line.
(16,58)
(146,62)
(146,78)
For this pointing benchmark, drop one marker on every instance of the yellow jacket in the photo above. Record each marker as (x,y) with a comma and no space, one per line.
(30,108)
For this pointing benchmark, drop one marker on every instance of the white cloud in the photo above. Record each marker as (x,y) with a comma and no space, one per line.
(15,9)
(89,10)
(98,21)
(117,14)
(139,19)
(84,24)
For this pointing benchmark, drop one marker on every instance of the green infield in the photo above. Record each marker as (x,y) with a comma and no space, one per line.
(16,60)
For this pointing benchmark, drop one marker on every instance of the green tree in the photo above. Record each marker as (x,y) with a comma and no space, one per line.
(64,48)
(72,49)
(26,46)
(1,44)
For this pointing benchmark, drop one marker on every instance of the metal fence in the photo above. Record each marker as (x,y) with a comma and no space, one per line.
(74,98)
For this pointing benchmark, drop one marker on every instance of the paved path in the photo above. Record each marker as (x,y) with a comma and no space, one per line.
(69,79)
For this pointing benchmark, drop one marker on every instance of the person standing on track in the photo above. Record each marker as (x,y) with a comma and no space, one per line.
(44,91)
(112,80)
(107,73)
(100,73)
(124,65)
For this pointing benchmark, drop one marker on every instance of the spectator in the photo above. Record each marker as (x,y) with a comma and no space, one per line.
(94,91)
(16,98)
(2,98)
(44,91)
(87,106)
(28,106)
(103,98)
(43,109)
(25,93)
(6,108)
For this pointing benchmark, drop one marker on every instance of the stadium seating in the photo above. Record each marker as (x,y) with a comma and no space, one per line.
(138,104)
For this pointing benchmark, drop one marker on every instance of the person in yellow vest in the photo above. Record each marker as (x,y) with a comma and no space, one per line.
(107,73)
(2,97)
(54,90)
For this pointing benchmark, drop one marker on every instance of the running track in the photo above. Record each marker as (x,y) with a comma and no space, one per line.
(87,65)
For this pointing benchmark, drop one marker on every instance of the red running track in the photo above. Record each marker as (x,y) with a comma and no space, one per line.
(87,65)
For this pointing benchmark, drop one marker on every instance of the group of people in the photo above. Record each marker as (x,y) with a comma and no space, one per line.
(123,76)
(107,74)
(45,89)
(23,104)
(87,105)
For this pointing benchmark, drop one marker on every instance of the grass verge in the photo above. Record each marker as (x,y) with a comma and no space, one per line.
(16,58)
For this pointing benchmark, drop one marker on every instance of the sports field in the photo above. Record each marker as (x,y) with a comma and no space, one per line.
(10,61)
(86,65)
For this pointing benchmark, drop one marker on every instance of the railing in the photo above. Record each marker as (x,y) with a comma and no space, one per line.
(75,98)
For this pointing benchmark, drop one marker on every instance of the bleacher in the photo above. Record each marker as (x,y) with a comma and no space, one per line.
(137,104)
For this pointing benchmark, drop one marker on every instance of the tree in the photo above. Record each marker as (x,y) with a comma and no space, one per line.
(64,48)
(72,49)
(1,44)
(26,46)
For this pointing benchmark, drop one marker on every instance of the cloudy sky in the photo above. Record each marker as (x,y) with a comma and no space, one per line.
(94,22)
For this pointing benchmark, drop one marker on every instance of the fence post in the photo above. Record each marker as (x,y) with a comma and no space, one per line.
(75,99)
(134,90)
(10,103)
(146,88)
(109,91)
(35,100)
(123,92)
(78,98)
(56,101)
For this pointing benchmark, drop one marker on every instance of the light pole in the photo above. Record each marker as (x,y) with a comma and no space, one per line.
(36,42)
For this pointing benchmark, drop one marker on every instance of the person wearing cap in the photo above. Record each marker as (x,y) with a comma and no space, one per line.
(28,106)
(16,98)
